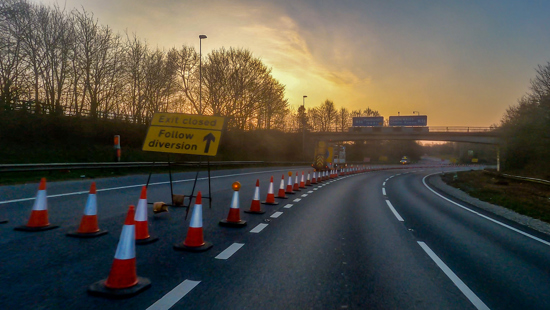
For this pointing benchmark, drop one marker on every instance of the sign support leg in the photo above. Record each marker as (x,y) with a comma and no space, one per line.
(170,175)
(150,173)
(209,188)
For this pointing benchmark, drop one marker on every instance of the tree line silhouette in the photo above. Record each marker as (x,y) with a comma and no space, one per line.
(60,62)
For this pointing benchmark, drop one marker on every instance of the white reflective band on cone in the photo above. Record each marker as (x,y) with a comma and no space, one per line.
(257,193)
(40,203)
(196,217)
(91,205)
(141,211)
(235,200)
(289,180)
(282,186)
(270,190)
(126,248)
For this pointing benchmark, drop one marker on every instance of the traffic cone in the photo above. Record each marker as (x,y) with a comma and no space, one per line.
(270,199)
(194,242)
(123,281)
(302,181)
(142,227)
(314,179)
(289,185)
(296,186)
(308,181)
(88,224)
(255,206)
(234,217)
(281,193)
(39,214)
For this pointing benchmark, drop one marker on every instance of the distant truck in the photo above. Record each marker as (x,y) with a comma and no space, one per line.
(328,156)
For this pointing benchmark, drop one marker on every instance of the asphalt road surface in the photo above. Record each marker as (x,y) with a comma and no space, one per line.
(376,240)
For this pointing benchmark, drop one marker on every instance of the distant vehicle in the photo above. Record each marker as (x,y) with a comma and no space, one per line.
(405,160)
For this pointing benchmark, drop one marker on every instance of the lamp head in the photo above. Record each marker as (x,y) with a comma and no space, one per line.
(202,36)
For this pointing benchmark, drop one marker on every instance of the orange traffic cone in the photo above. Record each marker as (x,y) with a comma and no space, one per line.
(314,179)
(39,214)
(255,206)
(302,181)
(123,281)
(308,181)
(289,185)
(194,242)
(296,187)
(281,193)
(234,217)
(142,227)
(270,199)
(88,225)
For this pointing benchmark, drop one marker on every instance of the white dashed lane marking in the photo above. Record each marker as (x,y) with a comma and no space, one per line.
(227,253)
(258,228)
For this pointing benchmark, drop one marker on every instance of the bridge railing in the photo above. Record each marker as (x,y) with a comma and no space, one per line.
(460,129)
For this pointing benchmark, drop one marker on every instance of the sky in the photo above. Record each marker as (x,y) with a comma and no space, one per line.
(461,63)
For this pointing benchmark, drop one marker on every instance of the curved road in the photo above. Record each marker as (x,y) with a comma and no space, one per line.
(376,240)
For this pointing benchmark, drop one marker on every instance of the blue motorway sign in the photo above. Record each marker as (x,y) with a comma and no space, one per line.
(373,121)
(413,120)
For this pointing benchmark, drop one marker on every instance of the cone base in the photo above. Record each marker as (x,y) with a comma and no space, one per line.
(30,228)
(254,212)
(99,289)
(290,193)
(76,234)
(285,197)
(3,221)
(226,223)
(182,247)
(146,240)
(270,203)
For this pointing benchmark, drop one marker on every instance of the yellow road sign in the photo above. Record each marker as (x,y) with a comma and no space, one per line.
(184,134)
(188,121)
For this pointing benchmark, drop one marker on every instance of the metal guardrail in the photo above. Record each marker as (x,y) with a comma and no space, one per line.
(80,166)
(516,177)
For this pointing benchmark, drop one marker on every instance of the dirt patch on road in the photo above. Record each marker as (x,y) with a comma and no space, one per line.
(530,199)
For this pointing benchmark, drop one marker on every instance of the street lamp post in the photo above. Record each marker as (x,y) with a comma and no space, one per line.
(304,126)
(202,36)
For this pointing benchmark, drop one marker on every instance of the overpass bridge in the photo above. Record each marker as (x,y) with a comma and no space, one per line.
(481,135)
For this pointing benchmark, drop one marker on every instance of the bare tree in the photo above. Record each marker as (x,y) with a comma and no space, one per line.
(12,67)
(327,115)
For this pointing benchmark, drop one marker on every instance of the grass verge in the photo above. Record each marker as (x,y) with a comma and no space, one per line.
(530,199)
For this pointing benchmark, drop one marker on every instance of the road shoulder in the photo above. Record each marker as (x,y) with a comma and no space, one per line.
(538,225)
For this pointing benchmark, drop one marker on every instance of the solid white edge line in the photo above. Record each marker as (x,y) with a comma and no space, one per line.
(383,191)
(170,299)
(399,218)
(276,215)
(472,297)
(227,253)
(484,216)
(258,228)
(137,185)
(288,206)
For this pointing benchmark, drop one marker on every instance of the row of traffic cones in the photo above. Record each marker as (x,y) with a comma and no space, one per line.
(88,227)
